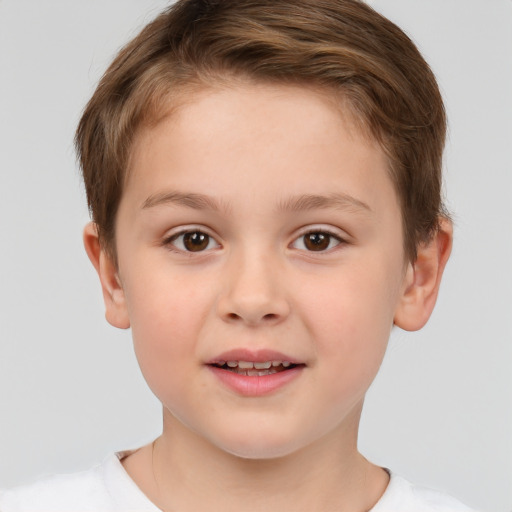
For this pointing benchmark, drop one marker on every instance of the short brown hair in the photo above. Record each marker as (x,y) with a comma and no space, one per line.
(341,45)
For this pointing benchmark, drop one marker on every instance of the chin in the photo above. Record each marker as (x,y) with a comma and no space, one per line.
(262,447)
(260,452)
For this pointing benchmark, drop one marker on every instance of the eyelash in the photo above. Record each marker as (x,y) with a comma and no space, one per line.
(329,236)
(169,241)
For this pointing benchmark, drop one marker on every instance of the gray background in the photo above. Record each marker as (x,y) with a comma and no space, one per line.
(70,389)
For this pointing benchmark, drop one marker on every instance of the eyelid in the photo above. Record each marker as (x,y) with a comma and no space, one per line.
(183,230)
(331,231)
(323,228)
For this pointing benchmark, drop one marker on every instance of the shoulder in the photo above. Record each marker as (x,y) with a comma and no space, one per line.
(104,488)
(56,493)
(403,496)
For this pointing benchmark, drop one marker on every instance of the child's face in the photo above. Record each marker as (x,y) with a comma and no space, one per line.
(293,253)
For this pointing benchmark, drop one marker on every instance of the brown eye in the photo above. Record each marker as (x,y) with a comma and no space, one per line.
(195,241)
(317,241)
(192,241)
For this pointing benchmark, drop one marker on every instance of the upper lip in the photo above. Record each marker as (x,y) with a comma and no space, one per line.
(255,356)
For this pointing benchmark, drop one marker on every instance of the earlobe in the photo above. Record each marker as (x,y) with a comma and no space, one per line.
(423,279)
(113,294)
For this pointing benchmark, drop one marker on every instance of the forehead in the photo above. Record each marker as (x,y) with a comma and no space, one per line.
(271,137)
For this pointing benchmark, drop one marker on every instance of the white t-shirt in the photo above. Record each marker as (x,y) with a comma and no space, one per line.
(109,488)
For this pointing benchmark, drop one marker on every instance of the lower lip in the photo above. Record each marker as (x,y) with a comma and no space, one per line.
(256,385)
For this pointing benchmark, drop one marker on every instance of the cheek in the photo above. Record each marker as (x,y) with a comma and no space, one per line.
(165,305)
(167,314)
(351,320)
(354,307)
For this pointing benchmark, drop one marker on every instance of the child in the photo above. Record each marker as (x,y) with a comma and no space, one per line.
(264,179)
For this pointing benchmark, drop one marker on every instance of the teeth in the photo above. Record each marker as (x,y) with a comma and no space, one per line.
(263,366)
(255,373)
(249,365)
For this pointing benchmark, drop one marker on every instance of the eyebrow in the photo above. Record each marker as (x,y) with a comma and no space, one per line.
(190,200)
(335,201)
(302,202)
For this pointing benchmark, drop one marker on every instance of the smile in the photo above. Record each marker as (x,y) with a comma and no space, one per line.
(255,373)
(255,369)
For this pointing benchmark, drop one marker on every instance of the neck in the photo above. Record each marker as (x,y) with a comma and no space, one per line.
(187,471)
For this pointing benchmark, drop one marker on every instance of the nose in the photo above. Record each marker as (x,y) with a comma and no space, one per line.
(252,293)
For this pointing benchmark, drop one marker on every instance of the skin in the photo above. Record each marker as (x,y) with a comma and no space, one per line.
(253,150)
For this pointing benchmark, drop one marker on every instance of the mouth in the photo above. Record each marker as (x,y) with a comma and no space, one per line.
(255,369)
(256,373)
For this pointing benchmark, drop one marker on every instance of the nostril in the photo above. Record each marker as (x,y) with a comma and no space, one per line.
(269,317)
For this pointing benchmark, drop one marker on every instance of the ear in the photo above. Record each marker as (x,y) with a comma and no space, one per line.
(113,294)
(422,280)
